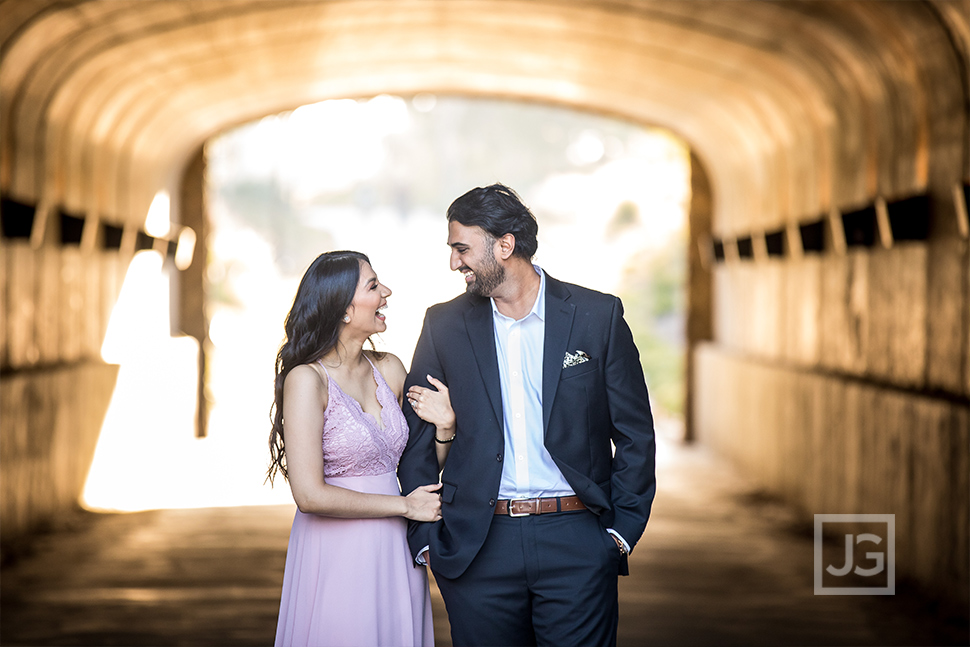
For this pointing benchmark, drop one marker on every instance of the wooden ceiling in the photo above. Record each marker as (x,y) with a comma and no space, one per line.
(793,107)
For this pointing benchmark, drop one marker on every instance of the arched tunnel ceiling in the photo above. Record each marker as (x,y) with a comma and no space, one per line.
(794,107)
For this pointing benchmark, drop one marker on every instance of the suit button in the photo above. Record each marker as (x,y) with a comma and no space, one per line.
(491,502)
(499,458)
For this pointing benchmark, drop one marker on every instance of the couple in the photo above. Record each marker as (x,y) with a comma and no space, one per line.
(530,464)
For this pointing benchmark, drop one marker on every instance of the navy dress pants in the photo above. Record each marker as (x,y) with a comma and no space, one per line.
(538,580)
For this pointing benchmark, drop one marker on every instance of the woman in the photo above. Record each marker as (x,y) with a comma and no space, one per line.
(338,432)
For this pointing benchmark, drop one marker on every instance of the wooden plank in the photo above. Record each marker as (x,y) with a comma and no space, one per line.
(5,306)
(47,299)
(71,305)
(22,273)
(949,304)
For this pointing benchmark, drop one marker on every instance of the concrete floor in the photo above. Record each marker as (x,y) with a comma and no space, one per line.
(718,565)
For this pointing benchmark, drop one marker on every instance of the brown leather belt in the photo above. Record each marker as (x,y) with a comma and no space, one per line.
(543,505)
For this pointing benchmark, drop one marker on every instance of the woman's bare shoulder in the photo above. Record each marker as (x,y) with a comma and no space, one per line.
(386,361)
(391,367)
(307,379)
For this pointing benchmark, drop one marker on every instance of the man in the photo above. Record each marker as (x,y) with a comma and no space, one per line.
(538,515)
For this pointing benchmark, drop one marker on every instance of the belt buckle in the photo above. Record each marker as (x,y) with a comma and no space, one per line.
(519,514)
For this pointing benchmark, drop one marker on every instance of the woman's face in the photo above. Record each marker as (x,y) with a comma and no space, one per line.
(369,300)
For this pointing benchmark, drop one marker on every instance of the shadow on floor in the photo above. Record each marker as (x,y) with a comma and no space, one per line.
(720,564)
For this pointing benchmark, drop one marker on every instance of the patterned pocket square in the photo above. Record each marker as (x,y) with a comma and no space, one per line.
(571,359)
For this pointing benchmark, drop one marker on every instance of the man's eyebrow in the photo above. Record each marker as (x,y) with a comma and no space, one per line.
(457,244)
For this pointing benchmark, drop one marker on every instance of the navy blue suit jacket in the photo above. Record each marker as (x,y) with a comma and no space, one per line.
(584,407)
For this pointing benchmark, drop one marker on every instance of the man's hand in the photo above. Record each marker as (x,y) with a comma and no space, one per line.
(424,557)
(619,544)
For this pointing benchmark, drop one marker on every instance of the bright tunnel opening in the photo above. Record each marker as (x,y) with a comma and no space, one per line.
(375,176)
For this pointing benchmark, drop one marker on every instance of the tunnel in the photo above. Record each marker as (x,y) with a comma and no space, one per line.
(828,310)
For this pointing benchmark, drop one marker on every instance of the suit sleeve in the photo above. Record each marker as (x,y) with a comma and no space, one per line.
(419,464)
(633,480)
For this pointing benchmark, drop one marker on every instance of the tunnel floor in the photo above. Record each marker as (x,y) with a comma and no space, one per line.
(719,564)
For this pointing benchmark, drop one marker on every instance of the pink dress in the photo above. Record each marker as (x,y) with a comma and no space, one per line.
(352,582)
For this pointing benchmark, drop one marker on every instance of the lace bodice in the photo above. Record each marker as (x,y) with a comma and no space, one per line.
(353,443)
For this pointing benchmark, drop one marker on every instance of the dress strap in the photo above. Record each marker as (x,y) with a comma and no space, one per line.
(329,379)
(378,376)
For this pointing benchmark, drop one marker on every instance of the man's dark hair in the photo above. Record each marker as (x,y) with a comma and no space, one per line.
(498,210)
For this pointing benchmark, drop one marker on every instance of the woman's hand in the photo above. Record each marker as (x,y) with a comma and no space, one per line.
(424,503)
(434,406)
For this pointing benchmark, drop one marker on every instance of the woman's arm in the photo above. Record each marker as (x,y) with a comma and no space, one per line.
(437,406)
(434,406)
(304,401)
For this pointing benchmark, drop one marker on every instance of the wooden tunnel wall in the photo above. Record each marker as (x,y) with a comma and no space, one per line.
(58,295)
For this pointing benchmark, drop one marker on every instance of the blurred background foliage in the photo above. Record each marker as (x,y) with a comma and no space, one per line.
(378,175)
(653,294)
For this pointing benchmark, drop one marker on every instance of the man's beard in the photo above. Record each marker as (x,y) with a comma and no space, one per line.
(488,277)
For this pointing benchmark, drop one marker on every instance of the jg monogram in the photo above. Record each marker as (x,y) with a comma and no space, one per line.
(879,561)
(865,572)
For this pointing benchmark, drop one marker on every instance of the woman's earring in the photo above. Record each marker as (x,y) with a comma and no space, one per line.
(346,318)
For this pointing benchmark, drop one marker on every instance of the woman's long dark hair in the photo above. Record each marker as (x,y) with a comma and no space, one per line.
(312,328)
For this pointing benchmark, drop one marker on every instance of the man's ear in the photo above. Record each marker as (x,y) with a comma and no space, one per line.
(506,245)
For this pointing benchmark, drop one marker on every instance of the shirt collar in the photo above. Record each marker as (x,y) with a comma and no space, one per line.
(538,308)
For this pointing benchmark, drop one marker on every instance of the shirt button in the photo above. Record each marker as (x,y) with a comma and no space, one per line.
(518,415)
(498,458)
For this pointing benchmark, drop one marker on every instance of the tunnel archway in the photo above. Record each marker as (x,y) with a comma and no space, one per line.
(376,175)
(834,136)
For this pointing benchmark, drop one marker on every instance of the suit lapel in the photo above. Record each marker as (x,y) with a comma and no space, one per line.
(481,333)
(559,322)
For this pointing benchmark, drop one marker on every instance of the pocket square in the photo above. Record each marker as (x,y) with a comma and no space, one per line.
(571,359)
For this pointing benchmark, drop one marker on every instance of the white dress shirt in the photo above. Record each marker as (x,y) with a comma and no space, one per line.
(528,470)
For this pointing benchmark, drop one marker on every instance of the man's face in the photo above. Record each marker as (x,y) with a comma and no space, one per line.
(473,254)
